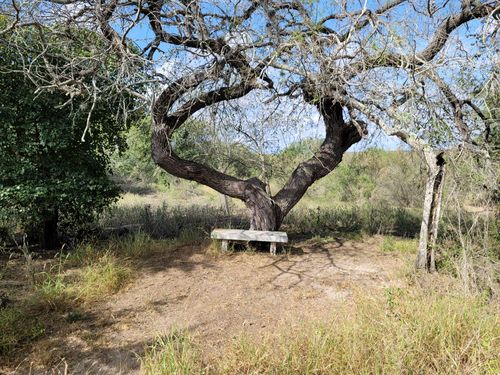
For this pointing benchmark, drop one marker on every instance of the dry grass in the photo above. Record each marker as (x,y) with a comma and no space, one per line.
(87,274)
(407,332)
(101,278)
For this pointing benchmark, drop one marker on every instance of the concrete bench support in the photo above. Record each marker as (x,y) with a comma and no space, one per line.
(226,235)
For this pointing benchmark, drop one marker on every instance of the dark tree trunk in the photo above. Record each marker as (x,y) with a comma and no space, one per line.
(431,211)
(265,214)
(50,237)
(266,211)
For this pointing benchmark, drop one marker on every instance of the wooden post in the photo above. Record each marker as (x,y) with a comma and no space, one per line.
(224,245)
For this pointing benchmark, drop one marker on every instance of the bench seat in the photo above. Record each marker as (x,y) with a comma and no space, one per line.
(226,235)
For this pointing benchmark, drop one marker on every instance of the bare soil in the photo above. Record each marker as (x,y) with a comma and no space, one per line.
(216,299)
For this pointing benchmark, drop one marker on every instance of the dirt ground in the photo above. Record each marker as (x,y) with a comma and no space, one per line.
(216,298)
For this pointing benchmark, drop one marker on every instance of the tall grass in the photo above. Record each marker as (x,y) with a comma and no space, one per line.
(195,222)
(173,222)
(104,277)
(89,273)
(407,332)
(352,219)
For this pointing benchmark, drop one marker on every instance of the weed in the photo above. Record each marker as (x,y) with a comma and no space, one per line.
(399,245)
(173,354)
(103,277)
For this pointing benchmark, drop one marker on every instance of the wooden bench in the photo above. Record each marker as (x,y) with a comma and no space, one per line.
(226,235)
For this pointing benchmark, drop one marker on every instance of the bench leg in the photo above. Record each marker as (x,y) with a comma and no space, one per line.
(224,245)
(272,249)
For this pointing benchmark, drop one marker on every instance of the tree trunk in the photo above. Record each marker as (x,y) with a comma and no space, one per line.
(50,237)
(266,211)
(431,211)
(265,214)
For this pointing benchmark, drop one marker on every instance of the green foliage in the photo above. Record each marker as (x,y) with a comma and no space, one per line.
(45,168)
(193,141)
(374,176)
(135,162)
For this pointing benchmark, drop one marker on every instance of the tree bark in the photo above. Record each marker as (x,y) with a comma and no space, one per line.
(50,237)
(431,211)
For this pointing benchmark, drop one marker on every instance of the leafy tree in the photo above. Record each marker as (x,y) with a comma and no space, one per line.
(48,174)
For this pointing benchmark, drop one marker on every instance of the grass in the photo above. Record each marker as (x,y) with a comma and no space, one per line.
(173,354)
(344,220)
(18,327)
(404,332)
(104,277)
(89,273)
(399,245)
(136,245)
(191,223)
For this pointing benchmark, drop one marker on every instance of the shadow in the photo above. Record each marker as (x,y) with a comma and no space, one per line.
(293,250)
(186,258)
(295,264)
(255,246)
(134,187)
(66,350)
(76,360)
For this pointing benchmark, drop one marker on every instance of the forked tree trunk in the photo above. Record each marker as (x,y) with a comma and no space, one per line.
(266,211)
(431,211)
